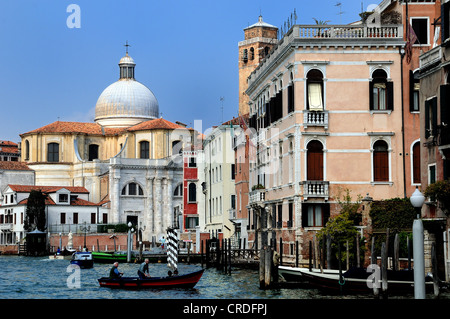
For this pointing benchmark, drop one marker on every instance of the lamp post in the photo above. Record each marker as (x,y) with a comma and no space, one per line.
(417,199)
(85,228)
(129,243)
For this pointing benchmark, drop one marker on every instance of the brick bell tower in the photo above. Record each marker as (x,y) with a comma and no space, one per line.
(259,40)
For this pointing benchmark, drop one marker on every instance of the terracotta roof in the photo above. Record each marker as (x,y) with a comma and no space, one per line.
(14,166)
(76,127)
(156,124)
(75,202)
(8,143)
(47,189)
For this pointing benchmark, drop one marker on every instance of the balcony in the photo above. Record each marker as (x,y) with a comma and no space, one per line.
(316,189)
(315,118)
(257,197)
(430,58)
(6,227)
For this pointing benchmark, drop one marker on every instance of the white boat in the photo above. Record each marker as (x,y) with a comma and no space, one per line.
(297,273)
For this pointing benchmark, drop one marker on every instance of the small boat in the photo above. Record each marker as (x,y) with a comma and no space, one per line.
(355,280)
(180,281)
(110,257)
(83,259)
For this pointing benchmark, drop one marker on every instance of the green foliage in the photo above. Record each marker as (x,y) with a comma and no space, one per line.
(341,228)
(35,212)
(396,214)
(440,191)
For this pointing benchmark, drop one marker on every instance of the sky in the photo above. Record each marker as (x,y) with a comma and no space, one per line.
(56,63)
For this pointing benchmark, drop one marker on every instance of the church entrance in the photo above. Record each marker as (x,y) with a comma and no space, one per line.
(133,220)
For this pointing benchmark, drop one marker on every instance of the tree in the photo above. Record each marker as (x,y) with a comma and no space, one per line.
(35,212)
(440,192)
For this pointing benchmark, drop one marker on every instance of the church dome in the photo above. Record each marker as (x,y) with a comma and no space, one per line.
(126,102)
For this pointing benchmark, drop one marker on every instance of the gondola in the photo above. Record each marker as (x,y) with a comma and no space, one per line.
(180,281)
(353,281)
(110,257)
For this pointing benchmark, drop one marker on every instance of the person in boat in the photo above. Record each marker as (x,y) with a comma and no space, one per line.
(143,270)
(114,273)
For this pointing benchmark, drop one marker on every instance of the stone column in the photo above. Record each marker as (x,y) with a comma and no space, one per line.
(169,200)
(157,206)
(148,211)
(115,197)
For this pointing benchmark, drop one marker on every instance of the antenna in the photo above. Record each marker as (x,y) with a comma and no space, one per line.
(221,100)
(340,11)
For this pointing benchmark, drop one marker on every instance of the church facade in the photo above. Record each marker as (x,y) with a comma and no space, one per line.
(129,159)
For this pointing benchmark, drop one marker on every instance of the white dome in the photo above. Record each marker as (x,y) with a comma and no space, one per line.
(126,102)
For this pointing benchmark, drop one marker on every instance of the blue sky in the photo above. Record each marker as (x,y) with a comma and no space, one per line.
(186,52)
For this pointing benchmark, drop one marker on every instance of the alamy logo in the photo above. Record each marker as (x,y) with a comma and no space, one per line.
(73,280)
(74,19)
(374,280)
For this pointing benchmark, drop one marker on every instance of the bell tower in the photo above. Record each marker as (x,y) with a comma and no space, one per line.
(259,40)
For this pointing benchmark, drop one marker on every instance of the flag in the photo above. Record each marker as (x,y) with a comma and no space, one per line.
(411,38)
(172,248)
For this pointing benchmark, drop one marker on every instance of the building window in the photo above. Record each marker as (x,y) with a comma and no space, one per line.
(233,201)
(132,189)
(314,161)
(245,55)
(291,96)
(75,218)
(144,149)
(93,152)
(421,29)
(380,161)
(431,174)
(105,218)
(177,147)
(314,84)
(381,92)
(414,88)
(53,152)
(315,215)
(252,54)
(430,117)
(62,217)
(63,198)
(280,216)
(192,191)
(416,162)
(93,221)
(192,162)
(27,150)
(178,190)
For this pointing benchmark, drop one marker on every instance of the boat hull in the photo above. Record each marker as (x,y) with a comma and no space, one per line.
(181,281)
(102,257)
(82,259)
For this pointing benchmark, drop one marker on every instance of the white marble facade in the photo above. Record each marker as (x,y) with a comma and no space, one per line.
(151,204)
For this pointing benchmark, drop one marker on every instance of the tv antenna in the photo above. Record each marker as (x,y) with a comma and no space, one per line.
(339,4)
(221,100)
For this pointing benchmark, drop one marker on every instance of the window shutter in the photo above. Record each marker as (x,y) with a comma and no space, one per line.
(434,116)
(445,21)
(371,95)
(390,95)
(411,91)
(445,104)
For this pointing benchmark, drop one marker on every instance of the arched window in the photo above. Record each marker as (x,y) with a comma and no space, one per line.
(132,189)
(27,150)
(144,149)
(315,161)
(252,54)
(192,191)
(52,152)
(314,88)
(380,162)
(381,91)
(93,152)
(177,147)
(178,190)
(245,55)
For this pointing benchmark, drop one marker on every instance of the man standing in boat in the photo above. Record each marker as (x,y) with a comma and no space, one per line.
(143,270)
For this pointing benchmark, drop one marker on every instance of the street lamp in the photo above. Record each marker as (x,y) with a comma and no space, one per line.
(129,242)
(85,228)
(417,199)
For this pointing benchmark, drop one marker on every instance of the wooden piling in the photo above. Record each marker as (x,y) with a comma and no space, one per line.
(268,268)
(262,270)
(328,252)
(281,250)
(408,244)
(201,253)
(310,256)
(373,261)
(340,267)
(347,255)
(384,257)
(229,256)
(434,270)
(296,253)
(358,257)
(396,253)
(323,252)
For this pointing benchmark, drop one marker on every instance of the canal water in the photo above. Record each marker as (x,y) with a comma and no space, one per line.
(43,278)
